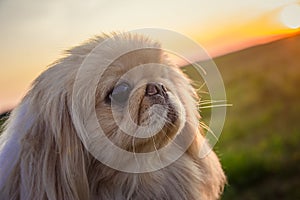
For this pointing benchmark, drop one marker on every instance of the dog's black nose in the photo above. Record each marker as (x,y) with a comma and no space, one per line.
(155,88)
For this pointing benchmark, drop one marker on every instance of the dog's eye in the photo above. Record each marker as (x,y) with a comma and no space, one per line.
(120,93)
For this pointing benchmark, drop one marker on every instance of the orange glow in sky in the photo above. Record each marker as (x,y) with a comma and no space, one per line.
(35,33)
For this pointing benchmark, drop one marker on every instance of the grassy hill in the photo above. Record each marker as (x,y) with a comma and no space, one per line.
(260,143)
(259,147)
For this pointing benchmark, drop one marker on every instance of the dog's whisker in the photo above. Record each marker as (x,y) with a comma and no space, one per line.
(210,101)
(133,150)
(202,92)
(206,127)
(195,81)
(215,106)
(154,145)
(199,88)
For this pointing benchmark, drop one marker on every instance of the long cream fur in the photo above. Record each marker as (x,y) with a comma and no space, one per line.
(42,157)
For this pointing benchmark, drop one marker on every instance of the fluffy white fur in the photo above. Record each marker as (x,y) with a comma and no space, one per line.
(42,156)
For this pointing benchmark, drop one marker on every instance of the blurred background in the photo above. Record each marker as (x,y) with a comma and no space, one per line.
(255,45)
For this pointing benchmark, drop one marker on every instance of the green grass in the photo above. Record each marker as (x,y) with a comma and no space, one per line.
(259,147)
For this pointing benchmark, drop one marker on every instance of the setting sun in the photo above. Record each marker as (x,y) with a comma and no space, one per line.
(290,16)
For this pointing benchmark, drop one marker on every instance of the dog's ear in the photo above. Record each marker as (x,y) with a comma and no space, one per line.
(50,159)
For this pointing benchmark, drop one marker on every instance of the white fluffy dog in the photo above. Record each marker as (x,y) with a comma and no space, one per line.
(45,154)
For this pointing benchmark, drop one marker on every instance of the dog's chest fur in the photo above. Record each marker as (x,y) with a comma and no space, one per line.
(179,181)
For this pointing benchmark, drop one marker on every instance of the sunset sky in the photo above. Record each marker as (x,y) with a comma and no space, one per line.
(35,33)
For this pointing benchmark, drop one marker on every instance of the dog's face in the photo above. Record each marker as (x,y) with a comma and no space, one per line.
(139,102)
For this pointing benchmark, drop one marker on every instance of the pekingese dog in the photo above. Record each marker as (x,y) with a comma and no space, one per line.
(113,120)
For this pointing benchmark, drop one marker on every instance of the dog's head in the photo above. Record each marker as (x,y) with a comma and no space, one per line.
(127,89)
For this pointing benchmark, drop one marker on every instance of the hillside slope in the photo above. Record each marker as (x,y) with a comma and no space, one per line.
(260,144)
